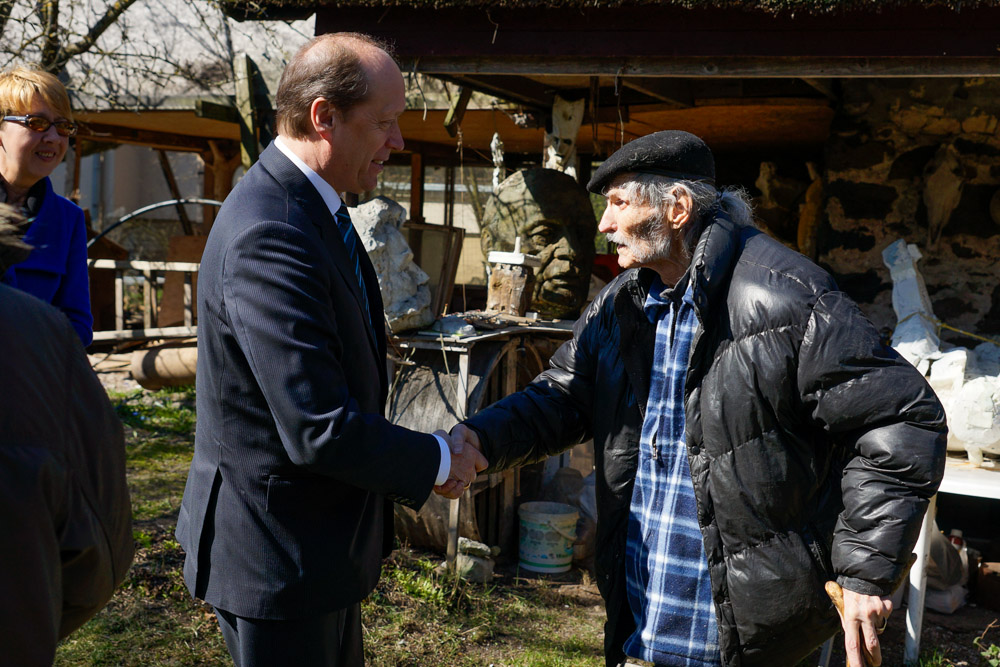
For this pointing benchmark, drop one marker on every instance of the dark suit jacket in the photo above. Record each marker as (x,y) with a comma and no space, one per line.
(286,512)
(65,516)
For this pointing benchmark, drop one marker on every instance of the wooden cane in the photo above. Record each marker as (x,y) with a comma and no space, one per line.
(836,594)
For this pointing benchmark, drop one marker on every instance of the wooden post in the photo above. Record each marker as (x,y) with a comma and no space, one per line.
(207,191)
(246,104)
(222,162)
(462,404)
(119,300)
(175,191)
(457,111)
(449,197)
(74,191)
(147,299)
(188,307)
(508,517)
(417,187)
(415,237)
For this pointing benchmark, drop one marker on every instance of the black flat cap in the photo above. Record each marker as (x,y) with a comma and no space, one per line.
(671,153)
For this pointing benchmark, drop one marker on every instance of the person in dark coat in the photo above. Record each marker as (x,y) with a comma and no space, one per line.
(287,511)
(754,438)
(65,515)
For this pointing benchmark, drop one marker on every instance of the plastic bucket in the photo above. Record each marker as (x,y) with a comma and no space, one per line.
(548,531)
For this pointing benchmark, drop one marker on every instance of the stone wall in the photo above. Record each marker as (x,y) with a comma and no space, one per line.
(917,159)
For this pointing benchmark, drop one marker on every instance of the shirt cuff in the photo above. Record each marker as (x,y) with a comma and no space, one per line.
(445,467)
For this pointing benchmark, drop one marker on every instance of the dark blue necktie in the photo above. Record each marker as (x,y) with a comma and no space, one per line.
(351,241)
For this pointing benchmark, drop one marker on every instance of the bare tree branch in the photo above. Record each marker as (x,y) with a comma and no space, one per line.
(6,6)
(83,45)
(113,54)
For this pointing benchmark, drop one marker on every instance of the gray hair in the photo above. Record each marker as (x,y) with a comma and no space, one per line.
(662,193)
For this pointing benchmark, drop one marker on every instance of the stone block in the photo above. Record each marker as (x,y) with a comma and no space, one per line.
(474,568)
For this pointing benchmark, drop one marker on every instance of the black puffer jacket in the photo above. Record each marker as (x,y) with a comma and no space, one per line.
(813,447)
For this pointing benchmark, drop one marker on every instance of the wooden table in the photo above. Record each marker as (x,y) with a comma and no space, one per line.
(469,398)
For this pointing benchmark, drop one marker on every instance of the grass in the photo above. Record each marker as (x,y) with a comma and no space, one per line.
(152,620)
(416,616)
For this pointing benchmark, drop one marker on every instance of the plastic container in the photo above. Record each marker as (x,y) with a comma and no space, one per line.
(548,531)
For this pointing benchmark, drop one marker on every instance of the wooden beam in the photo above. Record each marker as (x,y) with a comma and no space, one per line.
(508,88)
(546,31)
(227,113)
(457,111)
(609,113)
(168,173)
(671,91)
(112,134)
(825,86)
(710,67)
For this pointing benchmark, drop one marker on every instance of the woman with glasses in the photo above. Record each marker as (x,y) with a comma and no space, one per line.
(35,128)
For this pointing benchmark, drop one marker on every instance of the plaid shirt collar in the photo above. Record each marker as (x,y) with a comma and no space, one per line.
(669,588)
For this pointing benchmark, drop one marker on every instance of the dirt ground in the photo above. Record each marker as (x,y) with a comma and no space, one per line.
(947,639)
(112,370)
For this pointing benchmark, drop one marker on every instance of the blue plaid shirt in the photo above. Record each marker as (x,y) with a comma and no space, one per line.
(669,589)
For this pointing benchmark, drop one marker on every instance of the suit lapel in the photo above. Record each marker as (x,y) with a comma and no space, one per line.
(300,189)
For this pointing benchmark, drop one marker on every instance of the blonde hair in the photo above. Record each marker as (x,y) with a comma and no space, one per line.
(19,86)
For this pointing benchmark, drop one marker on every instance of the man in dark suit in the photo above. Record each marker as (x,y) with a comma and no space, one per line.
(288,506)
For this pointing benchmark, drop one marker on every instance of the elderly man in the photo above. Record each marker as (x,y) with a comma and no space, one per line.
(753,436)
(288,506)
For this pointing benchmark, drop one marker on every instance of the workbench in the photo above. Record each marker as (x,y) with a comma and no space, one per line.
(487,369)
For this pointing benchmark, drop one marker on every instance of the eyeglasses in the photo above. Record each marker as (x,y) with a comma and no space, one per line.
(65,128)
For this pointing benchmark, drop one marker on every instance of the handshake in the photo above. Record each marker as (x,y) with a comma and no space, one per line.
(467,461)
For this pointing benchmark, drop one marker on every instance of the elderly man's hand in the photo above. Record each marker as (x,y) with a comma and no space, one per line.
(466,463)
(863,618)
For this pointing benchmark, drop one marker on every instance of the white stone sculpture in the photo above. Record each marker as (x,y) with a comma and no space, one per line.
(405,293)
(915,336)
(974,417)
(496,152)
(966,381)
(560,143)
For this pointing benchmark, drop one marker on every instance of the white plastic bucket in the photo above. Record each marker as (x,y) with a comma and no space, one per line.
(548,531)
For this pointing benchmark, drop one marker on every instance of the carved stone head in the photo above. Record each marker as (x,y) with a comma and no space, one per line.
(405,293)
(553,215)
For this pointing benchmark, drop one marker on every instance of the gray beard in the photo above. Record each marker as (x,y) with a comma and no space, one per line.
(651,242)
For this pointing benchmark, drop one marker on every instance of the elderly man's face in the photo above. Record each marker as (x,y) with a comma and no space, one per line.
(642,234)
(363,138)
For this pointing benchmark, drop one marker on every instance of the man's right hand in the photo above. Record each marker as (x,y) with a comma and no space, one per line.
(466,461)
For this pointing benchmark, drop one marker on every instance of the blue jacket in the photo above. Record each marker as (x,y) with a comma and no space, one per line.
(56,270)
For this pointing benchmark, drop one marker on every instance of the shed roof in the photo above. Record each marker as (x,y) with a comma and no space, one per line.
(812,7)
